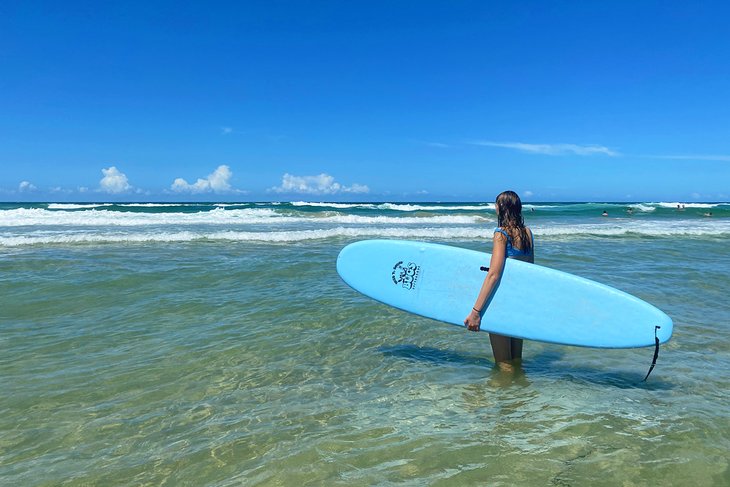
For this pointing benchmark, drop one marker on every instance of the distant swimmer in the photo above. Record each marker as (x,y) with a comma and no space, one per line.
(605,213)
(707,214)
(629,210)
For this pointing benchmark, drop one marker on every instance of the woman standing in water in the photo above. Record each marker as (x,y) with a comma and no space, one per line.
(511,240)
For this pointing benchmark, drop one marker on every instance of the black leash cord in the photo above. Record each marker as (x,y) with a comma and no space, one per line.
(656,353)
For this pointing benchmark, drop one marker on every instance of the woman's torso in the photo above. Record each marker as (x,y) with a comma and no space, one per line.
(515,249)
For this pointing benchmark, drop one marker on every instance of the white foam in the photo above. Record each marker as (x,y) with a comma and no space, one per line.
(431,207)
(532,205)
(551,232)
(397,206)
(93,217)
(405,220)
(158,205)
(274,236)
(689,205)
(643,207)
(75,206)
(264,222)
(628,227)
(218,216)
(343,206)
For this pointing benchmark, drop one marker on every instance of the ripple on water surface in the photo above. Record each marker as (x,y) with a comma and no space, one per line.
(229,364)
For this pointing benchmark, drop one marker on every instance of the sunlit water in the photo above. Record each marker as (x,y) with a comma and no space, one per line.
(225,359)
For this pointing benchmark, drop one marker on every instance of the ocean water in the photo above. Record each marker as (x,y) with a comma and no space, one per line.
(215,345)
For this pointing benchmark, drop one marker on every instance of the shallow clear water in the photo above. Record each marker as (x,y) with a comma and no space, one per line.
(238,361)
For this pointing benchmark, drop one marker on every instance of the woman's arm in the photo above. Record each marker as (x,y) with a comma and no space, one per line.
(496,266)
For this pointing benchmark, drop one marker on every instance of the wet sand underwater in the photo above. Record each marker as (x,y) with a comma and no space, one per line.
(233,360)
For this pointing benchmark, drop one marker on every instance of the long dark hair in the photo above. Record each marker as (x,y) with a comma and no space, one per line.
(509,218)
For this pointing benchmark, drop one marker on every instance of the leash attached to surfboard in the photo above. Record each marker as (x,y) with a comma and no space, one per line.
(656,352)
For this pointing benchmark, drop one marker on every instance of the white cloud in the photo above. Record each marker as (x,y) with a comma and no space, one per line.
(216,182)
(528,194)
(321,184)
(26,186)
(114,181)
(552,149)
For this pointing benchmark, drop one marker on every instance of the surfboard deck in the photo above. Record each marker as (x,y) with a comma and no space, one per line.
(531,301)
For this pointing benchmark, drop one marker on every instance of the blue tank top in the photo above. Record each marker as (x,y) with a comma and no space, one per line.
(511,250)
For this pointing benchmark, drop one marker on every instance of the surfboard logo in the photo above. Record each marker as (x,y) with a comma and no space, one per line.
(405,275)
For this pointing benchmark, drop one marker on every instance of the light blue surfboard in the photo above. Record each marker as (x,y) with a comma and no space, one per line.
(532,302)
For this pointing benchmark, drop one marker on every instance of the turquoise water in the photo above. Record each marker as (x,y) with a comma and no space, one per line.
(215,345)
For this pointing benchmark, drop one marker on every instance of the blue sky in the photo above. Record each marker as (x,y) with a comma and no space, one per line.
(364,100)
